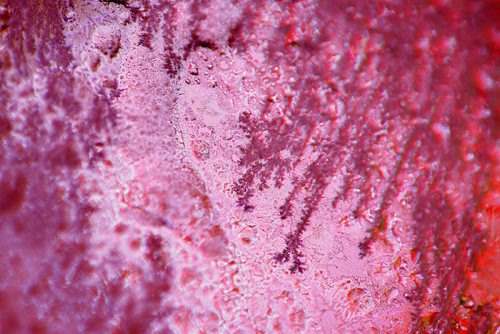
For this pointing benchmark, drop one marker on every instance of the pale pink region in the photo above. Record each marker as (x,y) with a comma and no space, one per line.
(246,167)
(203,105)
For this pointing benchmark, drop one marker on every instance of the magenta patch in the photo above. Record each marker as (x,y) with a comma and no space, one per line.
(249,166)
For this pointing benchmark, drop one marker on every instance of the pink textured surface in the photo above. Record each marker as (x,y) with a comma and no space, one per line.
(248,166)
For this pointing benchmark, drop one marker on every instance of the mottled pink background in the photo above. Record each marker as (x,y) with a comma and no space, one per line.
(249,166)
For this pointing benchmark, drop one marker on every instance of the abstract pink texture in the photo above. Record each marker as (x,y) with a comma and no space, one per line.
(249,166)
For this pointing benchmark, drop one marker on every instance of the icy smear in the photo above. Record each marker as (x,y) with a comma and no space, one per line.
(248,167)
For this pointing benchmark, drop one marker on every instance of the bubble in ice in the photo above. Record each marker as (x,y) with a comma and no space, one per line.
(193,69)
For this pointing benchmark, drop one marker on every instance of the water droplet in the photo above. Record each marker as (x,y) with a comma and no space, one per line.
(193,69)
(70,16)
(224,65)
